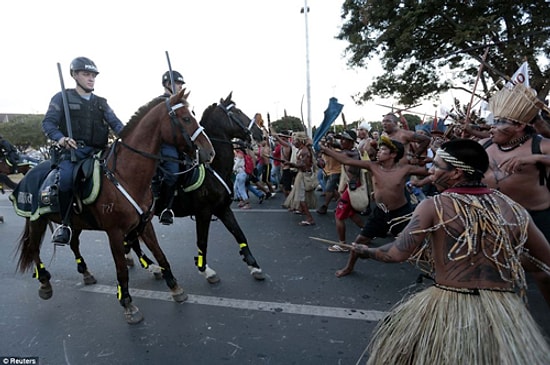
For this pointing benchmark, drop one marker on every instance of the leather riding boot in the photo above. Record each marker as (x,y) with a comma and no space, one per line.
(62,234)
(167,215)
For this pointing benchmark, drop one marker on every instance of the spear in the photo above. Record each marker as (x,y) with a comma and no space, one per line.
(467,120)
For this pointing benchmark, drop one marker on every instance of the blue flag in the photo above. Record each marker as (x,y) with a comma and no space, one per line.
(334,109)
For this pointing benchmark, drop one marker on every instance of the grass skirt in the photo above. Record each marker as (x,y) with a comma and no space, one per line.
(438,326)
(298,193)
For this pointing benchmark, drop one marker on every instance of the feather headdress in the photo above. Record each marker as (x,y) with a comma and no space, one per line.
(518,103)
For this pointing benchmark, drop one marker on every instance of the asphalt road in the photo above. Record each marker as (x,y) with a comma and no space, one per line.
(301,313)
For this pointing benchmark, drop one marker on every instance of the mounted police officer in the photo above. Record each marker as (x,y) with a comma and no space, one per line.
(90,119)
(169,169)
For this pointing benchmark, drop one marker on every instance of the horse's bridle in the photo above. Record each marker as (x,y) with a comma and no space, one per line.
(175,122)
(233,118)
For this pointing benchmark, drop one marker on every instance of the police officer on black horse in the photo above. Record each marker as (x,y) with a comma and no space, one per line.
(167,176)
(90,120)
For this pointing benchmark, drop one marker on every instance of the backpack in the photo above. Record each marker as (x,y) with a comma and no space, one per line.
(248,164)
(535,150)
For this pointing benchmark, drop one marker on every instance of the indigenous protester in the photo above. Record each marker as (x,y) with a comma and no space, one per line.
(472,239)
(301,197)
(389,177)
(167,175)
(404,136)
(331,170)
(351,180)
(519,157)
(91,117)
(287,174)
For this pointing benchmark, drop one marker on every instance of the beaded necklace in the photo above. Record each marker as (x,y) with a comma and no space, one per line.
(513,144)
(485,230)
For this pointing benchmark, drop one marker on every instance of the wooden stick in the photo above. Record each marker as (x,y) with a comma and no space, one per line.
(329,242)
(467,120)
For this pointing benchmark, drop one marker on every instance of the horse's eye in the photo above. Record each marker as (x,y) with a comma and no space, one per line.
(187,120)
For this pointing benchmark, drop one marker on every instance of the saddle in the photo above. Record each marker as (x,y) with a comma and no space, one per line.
(38,191)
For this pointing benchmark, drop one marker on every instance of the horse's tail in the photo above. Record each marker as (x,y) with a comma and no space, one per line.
(29,246)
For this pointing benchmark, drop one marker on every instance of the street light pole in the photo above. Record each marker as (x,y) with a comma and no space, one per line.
(305,10)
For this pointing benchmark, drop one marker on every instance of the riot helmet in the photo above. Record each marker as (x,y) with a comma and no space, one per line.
(175,75)
(83,64)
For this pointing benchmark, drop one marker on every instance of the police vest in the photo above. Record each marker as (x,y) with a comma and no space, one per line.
(87,122)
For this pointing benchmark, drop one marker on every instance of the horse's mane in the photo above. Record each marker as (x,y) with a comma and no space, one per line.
(139,114)
(206,114)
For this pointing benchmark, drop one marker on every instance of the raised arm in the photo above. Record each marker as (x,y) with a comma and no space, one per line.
(344,159)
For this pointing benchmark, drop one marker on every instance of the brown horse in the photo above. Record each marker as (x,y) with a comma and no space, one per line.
(125,199)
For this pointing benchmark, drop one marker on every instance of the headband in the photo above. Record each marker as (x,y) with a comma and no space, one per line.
(453,161)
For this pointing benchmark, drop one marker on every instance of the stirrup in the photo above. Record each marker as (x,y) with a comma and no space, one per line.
(166,216)
(58,236)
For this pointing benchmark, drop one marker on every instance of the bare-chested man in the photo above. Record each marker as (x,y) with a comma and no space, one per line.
(476,237)
(389,178)
(404,136)
(513,167)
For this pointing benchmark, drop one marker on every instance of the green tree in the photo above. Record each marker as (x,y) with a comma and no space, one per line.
(287,123)
(24,131)
(417,40)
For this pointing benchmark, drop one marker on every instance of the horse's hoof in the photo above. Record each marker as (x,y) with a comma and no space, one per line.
(178,294)
(210,275)
(88,278)
(213,279)
(257,273)
(157,275)
(46,291)
(132,314)
(129,261)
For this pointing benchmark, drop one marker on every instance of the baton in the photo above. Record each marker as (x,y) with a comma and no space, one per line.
(66,110)
(171,75)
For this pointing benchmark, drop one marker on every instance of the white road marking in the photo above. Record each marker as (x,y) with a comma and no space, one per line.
(288,308)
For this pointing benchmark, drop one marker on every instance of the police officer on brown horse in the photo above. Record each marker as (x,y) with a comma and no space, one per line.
(90,119)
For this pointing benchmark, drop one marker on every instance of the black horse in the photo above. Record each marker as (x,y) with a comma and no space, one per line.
(223,122)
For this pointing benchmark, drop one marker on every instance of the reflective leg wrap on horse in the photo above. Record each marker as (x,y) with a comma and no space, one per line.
(200,261)
(145,261)
(45,291)
(81,265)
(41,273)
(82,268)
(123,296)
(169,278)
(247,255)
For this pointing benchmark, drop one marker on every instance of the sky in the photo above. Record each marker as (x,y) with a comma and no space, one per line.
(255,49)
